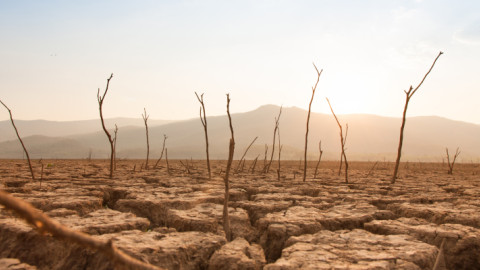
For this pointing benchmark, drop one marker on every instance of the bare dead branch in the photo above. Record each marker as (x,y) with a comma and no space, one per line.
(409,95)
(343,140)
(277,119)
(145,119)
(231,150)
(45,224)
(21,141)
(319,159)
(203,119)
(450,165)
(308,122)
(244,154)
(163,149)
(100,100)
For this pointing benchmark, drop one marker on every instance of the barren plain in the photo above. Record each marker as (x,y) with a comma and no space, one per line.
(173,218)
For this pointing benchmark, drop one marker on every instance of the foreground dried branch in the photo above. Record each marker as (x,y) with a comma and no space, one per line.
(20,139)
(409,95)
(100,100)
(44,224)
(308,122)
(231,150)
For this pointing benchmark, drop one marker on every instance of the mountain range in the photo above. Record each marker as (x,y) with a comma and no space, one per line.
(370,137)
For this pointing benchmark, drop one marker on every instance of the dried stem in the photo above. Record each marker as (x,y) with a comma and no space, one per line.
(244,154)
(203,118)
(277,119)
(145,119)
(163,149)
(308,122)
(45,224)
(450,165)
(343,140)
(20,139)
(319,159)
(231,150)
(409,95)
(100,100)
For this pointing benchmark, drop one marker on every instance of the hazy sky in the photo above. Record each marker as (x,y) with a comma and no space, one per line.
(54,56)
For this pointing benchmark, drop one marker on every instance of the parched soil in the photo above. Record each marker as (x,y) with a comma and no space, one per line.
(172,217)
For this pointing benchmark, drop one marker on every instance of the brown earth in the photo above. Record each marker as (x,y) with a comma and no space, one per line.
(173,219)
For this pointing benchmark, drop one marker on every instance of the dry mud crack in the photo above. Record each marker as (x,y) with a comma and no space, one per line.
(174,220)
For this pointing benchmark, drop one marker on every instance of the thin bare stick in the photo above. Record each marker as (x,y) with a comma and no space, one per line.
(203,118)
(45,224)
(244,154)
(145,119)
(20,139)
(409,95)
(231,150)
(100,100)
(319,159)
(252,168)
(450,165)
(343,140)
(277,119)
(163,149)
(308,122)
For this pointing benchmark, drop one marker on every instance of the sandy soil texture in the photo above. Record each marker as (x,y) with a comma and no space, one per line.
(173,218)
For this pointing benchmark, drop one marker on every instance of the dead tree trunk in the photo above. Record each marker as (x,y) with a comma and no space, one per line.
(308,122)
(203,118)
(319,159)
(100,100)
(409,95)
(161,154)
(231,150)
(343,140)
(20,139)
(145,119)
(244,154)
(450,165)
(277,119)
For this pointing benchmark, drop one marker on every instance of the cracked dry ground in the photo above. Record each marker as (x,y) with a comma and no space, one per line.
(175,220)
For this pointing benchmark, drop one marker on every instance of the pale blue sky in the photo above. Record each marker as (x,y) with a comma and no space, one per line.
(55,54)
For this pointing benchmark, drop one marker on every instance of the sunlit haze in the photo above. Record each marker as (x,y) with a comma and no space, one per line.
(55,55)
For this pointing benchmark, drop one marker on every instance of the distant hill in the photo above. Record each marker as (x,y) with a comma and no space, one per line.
(370,137)
(65,128)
